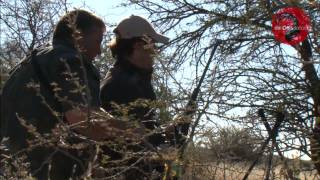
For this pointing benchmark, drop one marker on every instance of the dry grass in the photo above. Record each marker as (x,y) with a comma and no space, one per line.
(235,171)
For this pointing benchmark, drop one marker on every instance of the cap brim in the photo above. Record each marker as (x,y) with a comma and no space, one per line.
(158,38)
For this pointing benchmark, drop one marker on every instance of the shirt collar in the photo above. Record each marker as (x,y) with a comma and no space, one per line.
(126,64)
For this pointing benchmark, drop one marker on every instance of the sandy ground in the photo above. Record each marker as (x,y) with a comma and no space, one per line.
(223,171)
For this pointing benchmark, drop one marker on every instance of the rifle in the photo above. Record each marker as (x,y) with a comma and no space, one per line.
(182,128)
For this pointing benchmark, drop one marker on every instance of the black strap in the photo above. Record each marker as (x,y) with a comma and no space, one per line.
(42,78)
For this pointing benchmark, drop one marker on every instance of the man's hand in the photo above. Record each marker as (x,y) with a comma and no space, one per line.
(103,126)
(178,129)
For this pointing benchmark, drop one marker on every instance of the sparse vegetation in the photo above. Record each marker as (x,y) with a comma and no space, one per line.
(251,71)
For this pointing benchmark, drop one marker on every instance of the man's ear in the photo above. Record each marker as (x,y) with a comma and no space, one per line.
(135,45)
(81,42)
(79,39)
(138,44)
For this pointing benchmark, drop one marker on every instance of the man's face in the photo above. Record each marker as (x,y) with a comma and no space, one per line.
(90,42)
(144,53)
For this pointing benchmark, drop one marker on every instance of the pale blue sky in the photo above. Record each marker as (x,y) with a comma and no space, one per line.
(108,9)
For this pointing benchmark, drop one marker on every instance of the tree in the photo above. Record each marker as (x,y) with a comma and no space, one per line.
(233,144)
(252,70)
(26,25)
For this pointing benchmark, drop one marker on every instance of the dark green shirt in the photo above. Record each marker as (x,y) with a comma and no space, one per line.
(74,81)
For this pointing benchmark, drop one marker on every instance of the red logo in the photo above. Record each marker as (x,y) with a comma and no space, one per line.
(290,25)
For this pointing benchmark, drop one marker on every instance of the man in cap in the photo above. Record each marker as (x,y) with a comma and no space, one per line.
(128,84)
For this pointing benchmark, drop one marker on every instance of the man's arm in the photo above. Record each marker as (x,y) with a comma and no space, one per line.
(68,77)
(78,119)
(103,126)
